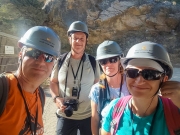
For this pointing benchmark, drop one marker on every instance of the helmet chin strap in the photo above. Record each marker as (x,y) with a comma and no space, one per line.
(111,75)
(114,74)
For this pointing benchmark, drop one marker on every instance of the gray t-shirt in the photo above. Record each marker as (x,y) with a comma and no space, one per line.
(88,78)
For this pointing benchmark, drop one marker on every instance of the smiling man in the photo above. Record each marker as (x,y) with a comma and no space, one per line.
(22,113)
(70,85)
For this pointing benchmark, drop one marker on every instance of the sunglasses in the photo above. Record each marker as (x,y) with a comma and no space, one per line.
(33,53)
(147,74)
(111,60)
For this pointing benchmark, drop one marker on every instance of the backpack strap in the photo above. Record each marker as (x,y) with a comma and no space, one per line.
(4,90)
(93,62)
(91,58)
(117,113)
(4,85)
(61,60)
(102,96)
(42,98)
(172,116)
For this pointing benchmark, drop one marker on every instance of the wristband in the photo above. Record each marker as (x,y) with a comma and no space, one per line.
(54,99)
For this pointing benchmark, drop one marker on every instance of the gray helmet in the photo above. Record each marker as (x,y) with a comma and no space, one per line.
(42,38)
(152,51)
(108,49)
(78,26)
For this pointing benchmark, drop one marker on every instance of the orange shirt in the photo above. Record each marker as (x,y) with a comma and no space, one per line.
(14,120)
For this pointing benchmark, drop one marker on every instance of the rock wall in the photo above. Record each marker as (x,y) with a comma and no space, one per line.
(126,21)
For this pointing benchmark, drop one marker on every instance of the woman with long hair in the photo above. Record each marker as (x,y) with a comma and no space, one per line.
(111,84)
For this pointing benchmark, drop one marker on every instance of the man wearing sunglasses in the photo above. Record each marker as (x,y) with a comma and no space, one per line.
(22,114)
(147,66)
(70,85)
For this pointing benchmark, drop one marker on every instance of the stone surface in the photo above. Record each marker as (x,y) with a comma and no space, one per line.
(49,116)
(127,21)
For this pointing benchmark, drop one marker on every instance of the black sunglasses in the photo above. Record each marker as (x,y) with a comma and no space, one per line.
(147,74)
(33,53)
(111,60)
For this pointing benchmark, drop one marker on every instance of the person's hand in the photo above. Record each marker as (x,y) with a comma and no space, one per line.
(59,104)
(171,90)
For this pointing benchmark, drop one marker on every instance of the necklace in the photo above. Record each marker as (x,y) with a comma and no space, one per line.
(120,88)
(153,118)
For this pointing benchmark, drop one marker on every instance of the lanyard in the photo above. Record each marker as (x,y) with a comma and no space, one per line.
(77,70)
(27,111)
(152,122)
(120,88)
(75,75)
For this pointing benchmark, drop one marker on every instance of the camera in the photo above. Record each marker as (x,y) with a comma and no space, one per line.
(74,91)
(72,105)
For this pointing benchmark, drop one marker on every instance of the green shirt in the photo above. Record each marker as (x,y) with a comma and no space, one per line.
(141,125)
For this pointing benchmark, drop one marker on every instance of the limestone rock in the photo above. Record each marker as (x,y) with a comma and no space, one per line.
(125,21)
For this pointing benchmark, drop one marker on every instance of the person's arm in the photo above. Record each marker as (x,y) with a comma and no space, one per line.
(97,73)
(94,119)
(171,90)
(103,132)
(54,90)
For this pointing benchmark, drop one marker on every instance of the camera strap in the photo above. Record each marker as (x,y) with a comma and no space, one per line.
(80,82)
(75,75)
(27,110)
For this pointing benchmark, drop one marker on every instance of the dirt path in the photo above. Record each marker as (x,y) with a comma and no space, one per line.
(49,116)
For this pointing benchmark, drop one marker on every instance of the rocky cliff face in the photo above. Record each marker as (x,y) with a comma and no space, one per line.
(126,21)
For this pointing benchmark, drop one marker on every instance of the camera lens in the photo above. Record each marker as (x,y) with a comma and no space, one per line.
(68,111)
